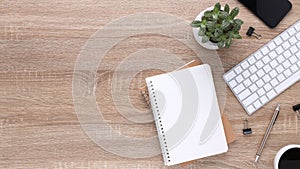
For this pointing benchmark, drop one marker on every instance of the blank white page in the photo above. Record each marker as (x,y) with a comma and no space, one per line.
(187,114)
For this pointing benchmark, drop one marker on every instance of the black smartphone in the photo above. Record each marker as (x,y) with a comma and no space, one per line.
(271,12)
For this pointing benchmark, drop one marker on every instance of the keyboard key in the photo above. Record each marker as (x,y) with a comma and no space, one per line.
(253,68)
(294,68)
(267,68)
(258,55)
(293,40)
(250,109)
(293,59)
(272,46)
(274,82)
(284,36)
(263,99)
(245,65)
(253,78)
(280,59)
(253,88)
(244,94)
(291,80)
(297,26)
(294,49)
(280,78)
(260,73)
(232,83)
(298,44)
(273,73)
(265,50)
(238,70)
(279,50)
(298,35)
(251,60)
(246,74)
(280,69)
(257,104)
(239,78)
(250,99)
(274,64)
(230,75)
(271,94)
(272,54)
(247,83)
(260,83)
(278,41)
(286,64)
(291,31)
(239,88)
(259,64)
(286,45)
(287,54)
(267,87)
(266,78)
(266,59)
(287,73)
(298,55)
(261,92)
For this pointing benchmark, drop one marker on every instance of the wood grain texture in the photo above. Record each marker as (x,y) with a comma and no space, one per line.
(40,41)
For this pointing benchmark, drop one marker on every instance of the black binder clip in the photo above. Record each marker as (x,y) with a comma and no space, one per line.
(250,32)
(296,108)
(246,130)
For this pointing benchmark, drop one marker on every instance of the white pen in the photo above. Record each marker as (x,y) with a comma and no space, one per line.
(264,140)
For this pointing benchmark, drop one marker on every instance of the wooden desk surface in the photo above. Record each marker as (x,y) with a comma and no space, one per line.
(40,41)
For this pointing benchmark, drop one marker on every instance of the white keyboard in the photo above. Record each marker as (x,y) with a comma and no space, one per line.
(267,72)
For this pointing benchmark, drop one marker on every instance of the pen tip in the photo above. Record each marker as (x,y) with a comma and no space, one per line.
(278,106)
(256,158)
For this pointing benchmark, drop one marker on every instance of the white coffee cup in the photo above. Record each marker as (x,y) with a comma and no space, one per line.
(281,152)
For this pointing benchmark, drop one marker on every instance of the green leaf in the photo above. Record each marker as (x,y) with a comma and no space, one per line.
(208,34)
(210,25)
(205,39)
(229,20)
(226,8)
(223,15)
(237,36)
(208,14)
(217,8)
(201,32)
(228,43)
(218,32)
(203,23)
(214,39)
(225,24)
(234,12)
(236,28)
(223,37)
(196,24)
(238,21)
(221,44)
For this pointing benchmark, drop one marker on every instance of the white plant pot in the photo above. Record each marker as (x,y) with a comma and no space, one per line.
(208,45)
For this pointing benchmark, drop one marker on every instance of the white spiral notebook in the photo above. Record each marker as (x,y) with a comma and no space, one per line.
(187,115)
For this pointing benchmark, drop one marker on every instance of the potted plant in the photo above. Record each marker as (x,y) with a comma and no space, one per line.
(215,27)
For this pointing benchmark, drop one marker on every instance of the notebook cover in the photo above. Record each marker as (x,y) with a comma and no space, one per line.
(187,115)
(229,132)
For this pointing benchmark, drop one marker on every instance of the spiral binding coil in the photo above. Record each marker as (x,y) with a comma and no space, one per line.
(159,125)
(145,94)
